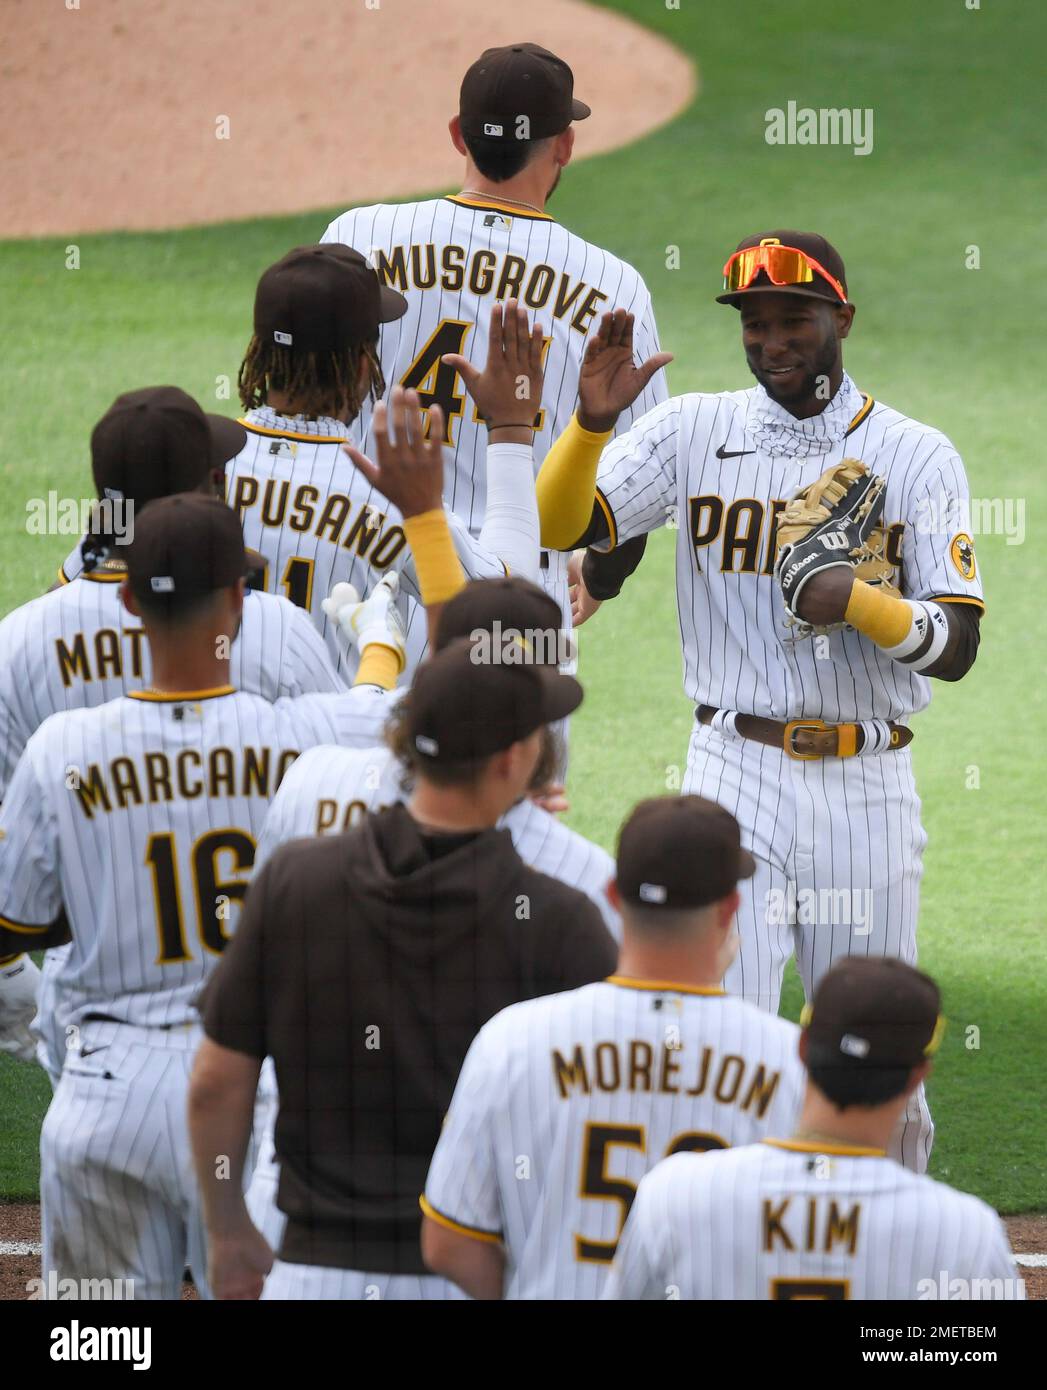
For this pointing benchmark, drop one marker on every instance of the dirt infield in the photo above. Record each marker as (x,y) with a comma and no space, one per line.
(20,1222)
(112,112)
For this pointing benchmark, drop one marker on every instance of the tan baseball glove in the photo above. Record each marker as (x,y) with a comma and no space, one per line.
(833,521)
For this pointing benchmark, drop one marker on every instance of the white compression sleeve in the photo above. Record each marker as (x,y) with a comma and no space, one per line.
(510,530)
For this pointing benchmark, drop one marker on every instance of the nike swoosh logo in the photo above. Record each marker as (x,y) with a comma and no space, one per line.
(723,453)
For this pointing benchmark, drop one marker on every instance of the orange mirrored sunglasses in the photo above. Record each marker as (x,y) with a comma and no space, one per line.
(783,265)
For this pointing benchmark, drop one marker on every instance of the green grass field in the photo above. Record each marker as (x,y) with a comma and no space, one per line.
(957,162)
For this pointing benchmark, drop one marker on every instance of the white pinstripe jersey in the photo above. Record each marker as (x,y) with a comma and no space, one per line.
(316,521)
(78,647)
(140,817)
(564,1103)
(453,259)
(331,789)
(782,1220)
(739,653)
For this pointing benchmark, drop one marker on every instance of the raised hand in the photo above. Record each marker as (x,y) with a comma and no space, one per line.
(410,468)
(583,605)
(508,392)
(610,381)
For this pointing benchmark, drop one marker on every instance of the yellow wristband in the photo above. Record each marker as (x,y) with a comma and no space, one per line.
(566,485)
(379,665)
(880,617)
(440,573)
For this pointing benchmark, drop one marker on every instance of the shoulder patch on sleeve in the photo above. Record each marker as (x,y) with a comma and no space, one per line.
(961,550)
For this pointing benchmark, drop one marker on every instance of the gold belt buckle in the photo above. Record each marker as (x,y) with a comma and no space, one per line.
(793,727)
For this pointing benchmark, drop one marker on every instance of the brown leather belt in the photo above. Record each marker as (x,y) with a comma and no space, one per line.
(807,738)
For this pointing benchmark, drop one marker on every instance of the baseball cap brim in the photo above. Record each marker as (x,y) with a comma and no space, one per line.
(561,694)
(579,110)
(746,864)
(733,296)
(391,305)
(228,438)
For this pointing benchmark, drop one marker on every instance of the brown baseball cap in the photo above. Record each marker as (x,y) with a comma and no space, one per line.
(322,298)
(157,441)
(521,79)
(875,1011)
(680,852)
(185,547)
(811,244)
(516,605)
(458,709)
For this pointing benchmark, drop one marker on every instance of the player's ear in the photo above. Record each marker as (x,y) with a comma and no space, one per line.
(564,147)
(802,1047)
(918,1075)
(844,318)
(236,598)
(728,909)
(128,598)
(613,895)
(454,125)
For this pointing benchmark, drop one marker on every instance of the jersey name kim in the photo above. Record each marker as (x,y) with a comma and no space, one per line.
(632,1065)
(812,1224)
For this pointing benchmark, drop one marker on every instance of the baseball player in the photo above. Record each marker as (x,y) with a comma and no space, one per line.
(315,518)
(331,790)
(78,646)
(130,829)
(802,735)
(825,1214)
(494,240)
(397,941)
(564,1103)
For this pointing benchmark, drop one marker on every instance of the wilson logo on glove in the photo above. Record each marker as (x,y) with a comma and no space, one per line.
(834,540)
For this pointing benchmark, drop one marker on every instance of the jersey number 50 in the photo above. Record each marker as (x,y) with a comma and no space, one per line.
(596,1181)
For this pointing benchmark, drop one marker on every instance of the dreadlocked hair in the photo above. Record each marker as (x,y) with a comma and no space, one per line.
(328,380)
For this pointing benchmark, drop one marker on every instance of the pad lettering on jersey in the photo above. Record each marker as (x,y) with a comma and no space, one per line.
(745,534)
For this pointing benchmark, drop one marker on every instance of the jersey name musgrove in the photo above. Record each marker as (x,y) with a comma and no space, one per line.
(326,516)
(156,777)
(486,272)
(638,1066)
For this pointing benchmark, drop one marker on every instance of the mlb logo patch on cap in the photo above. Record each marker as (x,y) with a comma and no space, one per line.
(490,129)
(653,892)
(428,746)
(162,584)
(854,1047)
(284,339)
